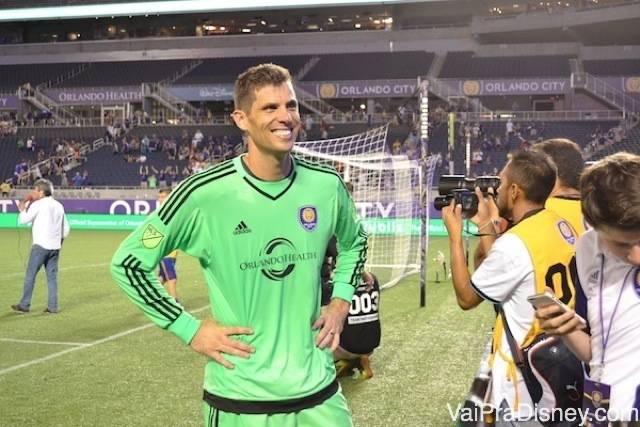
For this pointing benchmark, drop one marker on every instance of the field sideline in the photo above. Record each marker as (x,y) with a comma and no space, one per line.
(101,363)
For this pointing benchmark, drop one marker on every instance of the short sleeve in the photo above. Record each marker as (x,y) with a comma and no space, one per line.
(506,266)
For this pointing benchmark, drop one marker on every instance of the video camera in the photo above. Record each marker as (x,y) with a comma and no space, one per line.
(462,190)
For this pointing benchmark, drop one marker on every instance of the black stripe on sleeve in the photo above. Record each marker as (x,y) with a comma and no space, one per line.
(482,294)
(165,308)
(188,183)
(362,257)
(184,195)
(163,301)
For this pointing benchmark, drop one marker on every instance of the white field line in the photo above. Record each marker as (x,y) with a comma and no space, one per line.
(84,346)
(73,267)
(74,344)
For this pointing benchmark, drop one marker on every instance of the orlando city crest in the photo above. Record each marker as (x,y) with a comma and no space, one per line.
(567,232)
(308,217)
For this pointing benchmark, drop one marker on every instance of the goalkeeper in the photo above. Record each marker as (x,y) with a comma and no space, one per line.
(259,225)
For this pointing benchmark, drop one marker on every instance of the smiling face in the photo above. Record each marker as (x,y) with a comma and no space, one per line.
(272,122)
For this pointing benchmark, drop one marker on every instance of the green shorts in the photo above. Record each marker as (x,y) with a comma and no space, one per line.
(332,412)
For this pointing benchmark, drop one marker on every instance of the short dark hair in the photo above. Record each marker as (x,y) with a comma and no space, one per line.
(534,173)
(255,78)
(164,190)
(610,192)
(567,156)
(45,186)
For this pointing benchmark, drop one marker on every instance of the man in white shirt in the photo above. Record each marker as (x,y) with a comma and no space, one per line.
(512,269)
(49,229)
(608,267)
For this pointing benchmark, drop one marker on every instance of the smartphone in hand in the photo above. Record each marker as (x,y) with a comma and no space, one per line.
(546,299)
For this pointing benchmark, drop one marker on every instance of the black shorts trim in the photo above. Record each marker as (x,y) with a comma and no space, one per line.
(270,406)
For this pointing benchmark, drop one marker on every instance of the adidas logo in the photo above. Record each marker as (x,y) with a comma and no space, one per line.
(241,228)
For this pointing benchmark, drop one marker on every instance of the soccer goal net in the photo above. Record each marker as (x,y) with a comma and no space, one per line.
(386,191)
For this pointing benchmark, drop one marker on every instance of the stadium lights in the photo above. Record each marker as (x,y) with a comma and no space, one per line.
(173,7)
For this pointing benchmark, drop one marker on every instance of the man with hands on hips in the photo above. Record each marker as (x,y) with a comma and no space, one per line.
(259,225)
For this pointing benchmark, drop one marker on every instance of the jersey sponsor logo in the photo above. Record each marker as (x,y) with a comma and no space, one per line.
(151,237)
(278,259)
(308,217)
(241,228)
(566,232)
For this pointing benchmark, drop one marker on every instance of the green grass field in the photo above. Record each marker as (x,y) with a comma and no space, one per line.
(99,362)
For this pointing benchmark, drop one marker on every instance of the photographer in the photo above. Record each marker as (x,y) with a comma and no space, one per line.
(608,263)
(521,262)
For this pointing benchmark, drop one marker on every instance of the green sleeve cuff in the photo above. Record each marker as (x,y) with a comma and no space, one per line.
(343,291)
(185,327)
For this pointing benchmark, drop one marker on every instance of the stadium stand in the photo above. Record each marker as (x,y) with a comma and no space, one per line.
(371,66)
(613,67)
(225,70)
(125,73)
(12,76)
(631,144)
(467,65)
(88,133)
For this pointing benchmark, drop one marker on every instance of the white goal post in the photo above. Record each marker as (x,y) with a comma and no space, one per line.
(387,192)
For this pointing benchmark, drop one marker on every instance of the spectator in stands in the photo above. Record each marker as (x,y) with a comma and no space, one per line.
(161,175)
(49,229)
(77,180)
(508,267)
(31,143)
(85,179)
(153,181)
(144,145)
(64,181)
(143,171)
(509,128)
(608,268)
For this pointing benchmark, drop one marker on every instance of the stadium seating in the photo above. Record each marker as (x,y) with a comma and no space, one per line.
(613,67)
(88,133)
(370,66)
(631,144)
(225,70)
(467,65)
(12,76)
(125,73)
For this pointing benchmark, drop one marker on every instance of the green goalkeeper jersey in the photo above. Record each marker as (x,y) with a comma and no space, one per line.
(261,246)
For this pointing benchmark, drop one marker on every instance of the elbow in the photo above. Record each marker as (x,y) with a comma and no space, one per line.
(467,304)
(464,305)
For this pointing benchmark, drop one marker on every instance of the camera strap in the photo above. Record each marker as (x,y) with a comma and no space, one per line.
(516,352)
